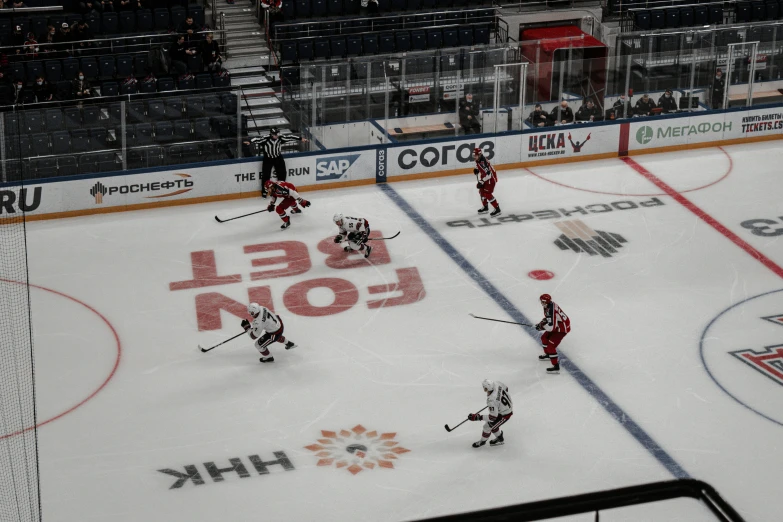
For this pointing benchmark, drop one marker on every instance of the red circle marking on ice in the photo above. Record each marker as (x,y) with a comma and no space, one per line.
(540,275)
(105,382)
(731,167)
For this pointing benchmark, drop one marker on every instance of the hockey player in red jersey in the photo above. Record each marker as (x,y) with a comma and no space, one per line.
(557,325)
(289,198)
(487,179)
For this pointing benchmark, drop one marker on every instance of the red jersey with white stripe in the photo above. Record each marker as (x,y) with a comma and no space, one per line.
(555,319)
(283,190)
(486,172)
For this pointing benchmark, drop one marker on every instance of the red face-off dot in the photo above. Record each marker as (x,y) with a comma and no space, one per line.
(540,275)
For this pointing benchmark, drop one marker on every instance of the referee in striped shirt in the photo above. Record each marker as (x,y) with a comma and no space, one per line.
(273,157)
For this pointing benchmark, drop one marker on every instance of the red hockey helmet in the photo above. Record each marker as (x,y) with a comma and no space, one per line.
(269,184)
(477,151)
(545,299)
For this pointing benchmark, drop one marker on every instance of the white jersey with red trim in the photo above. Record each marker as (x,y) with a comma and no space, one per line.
(352,224)
(486,172)
(499,401)
(555,319)
(267,321)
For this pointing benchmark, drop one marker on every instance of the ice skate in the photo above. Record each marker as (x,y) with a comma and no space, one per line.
(544,357)
(483,210)
(367,250)
(267,359)
(553,370)
(479,443)
(495,212)
(290,345)
(285,225)
(498,441)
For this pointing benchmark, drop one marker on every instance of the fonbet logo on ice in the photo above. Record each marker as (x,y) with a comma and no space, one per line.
(181,183)
(742,350)
(334,167)
(357,449)
(579,237)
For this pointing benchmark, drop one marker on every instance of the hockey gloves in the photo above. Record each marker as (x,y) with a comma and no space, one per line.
(479,185)
(475,171)
(304,203)
(474,417)
(338,239)
(353,236)
(271,207)
(246,324)
(539,327)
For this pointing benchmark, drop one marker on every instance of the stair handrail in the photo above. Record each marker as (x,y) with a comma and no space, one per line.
(223,37)
(249,109)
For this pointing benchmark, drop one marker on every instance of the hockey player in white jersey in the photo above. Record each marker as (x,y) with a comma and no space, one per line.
(500,410)
(266,328)
(356,231)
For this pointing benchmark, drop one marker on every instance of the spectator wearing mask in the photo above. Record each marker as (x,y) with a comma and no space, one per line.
(30,46)
(468,116)
(588,112)
(622,108)
(667,102)
(210,53)
(81,86)
(538,118)
(562,114)
(644,106)
(64,34)
(19,91)
(718,89)
(43,90)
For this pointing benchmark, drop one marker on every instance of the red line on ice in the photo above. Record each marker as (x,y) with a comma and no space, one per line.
(105,382)
(711,221)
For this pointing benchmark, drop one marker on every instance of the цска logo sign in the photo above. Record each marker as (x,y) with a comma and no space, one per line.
(334,167)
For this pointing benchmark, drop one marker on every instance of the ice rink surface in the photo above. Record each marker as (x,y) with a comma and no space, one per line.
(674,366)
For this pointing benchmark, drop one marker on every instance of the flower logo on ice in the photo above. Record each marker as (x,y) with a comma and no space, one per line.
(357,449)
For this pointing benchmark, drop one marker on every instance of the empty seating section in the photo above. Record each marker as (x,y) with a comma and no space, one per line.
(158,132)
(643,16)
(119,46)
(303,9)
(337,39)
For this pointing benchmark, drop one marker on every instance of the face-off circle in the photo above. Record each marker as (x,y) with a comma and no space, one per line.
(747,363)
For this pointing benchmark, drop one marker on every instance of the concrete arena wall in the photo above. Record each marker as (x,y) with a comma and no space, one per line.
(219,181)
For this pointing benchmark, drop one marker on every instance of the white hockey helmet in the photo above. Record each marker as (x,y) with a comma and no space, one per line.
(254,309)
(488,385)
(338,218)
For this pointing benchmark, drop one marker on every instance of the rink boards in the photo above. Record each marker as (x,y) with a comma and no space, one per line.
(187,184)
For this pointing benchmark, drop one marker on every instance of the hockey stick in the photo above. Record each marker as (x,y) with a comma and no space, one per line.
(378,238)
(500,321)
(205,350)
(233,218)
(463,422)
